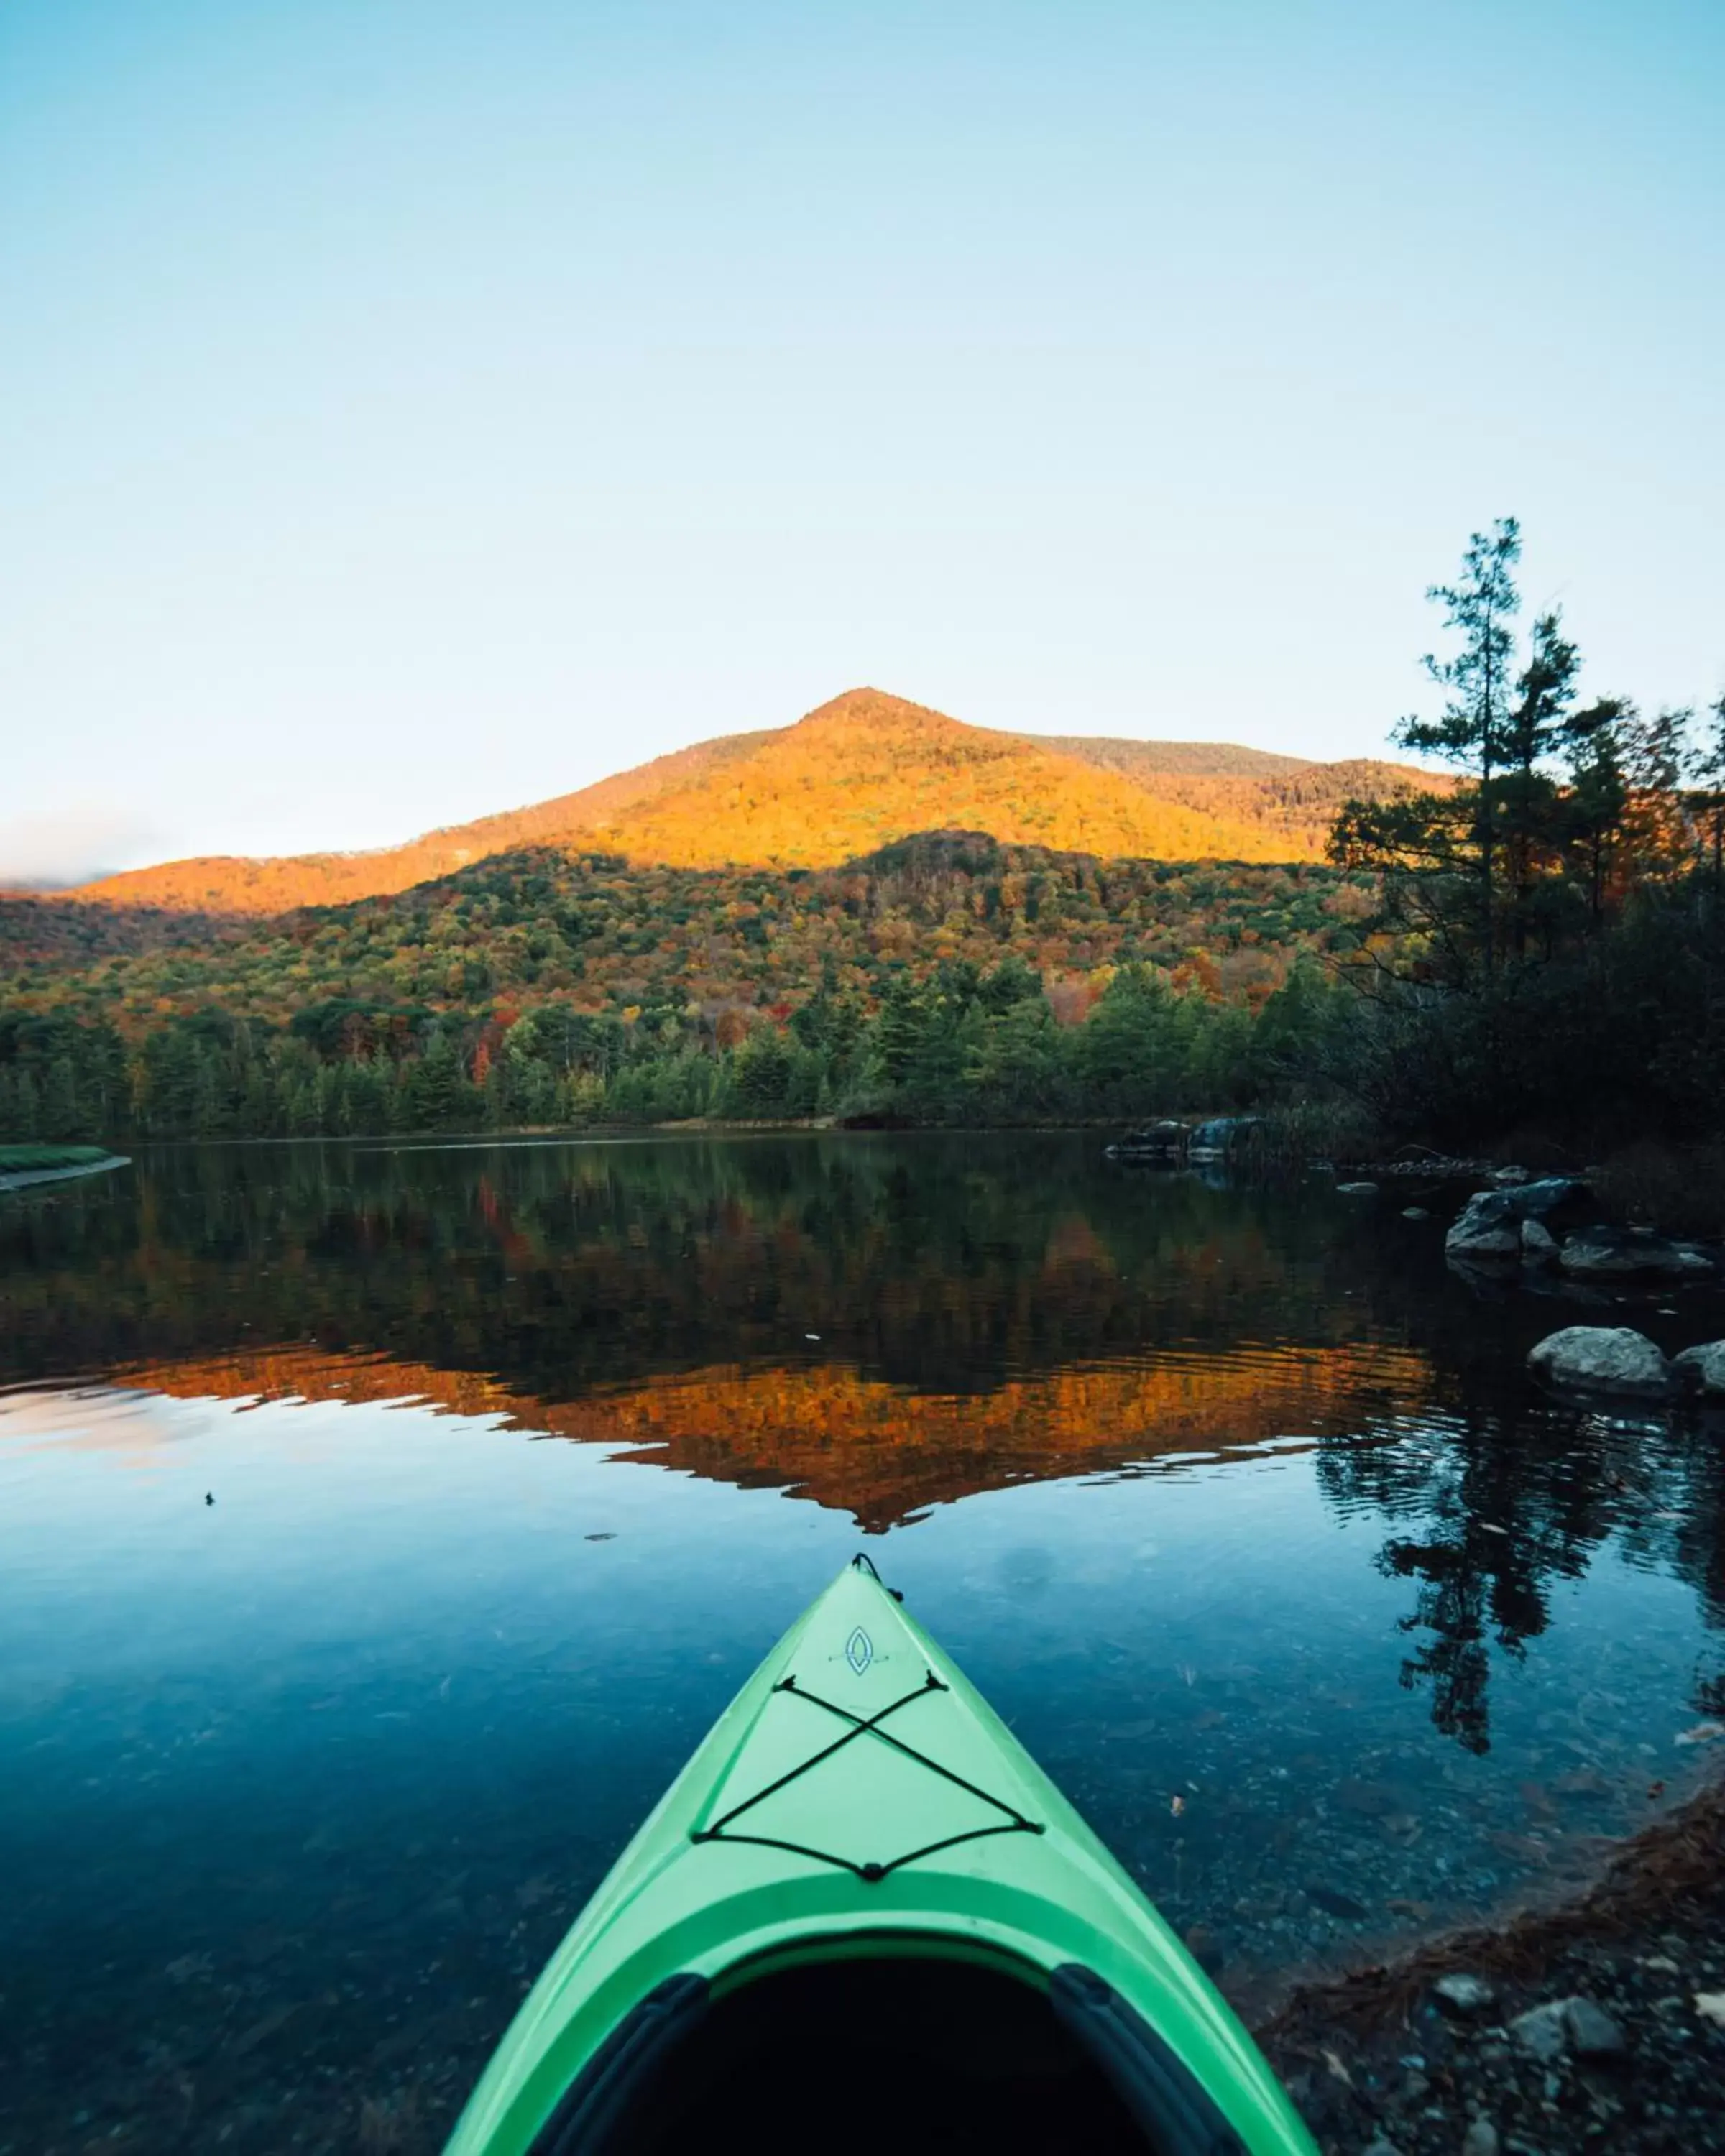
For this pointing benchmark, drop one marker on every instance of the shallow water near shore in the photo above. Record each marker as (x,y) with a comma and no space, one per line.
(380,1527)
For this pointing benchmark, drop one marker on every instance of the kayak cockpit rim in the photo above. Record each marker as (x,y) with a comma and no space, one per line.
(1009,2046)
(886,1943)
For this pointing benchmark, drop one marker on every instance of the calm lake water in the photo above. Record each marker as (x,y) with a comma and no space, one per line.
(379,1529)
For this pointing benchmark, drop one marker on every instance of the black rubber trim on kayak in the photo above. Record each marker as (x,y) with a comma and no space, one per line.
(601,2100)
(862,1562)
(1150,2077)
(1012,1821)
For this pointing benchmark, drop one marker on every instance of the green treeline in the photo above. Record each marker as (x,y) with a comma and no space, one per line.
(959,1045)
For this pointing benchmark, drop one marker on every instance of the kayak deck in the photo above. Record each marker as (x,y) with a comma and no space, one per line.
(862,1896)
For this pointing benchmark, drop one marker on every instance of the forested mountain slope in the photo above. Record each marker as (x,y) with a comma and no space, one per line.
(860,772)
(600,932)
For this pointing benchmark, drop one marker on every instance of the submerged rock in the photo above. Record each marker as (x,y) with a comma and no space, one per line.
(1702,1369)
(1415,1212)
(1357,1189)
(1602,1358)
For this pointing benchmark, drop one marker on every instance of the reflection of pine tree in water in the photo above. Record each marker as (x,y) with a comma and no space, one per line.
(1460,1580)
(1492,1544)
(1514,1501)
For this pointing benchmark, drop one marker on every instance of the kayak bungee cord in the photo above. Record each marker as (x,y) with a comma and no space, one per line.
(1013,1823)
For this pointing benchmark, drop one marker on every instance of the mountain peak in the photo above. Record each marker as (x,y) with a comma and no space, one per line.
(864,770)
(874,707)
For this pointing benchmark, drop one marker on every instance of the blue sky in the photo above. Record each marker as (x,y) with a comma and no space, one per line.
(408,410)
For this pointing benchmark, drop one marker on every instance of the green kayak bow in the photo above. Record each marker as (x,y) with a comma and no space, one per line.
(862,1917)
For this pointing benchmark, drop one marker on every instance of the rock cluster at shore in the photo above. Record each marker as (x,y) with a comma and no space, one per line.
(1618,1360)
(1600,2026)
(1511,1222)
(1489,1225)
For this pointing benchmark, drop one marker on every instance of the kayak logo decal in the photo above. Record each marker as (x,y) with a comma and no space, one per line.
(858,1650)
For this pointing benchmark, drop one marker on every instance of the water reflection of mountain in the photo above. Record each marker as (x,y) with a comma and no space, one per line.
(987,1310)
(879,1451)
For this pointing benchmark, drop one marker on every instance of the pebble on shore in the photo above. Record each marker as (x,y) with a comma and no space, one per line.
(1590,2026)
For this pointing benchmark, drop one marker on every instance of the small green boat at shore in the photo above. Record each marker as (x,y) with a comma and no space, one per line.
(863,1918)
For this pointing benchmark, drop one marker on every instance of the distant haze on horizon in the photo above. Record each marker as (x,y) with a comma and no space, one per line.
(415,411)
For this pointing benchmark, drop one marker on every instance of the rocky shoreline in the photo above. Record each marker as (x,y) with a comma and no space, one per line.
(1598,2025)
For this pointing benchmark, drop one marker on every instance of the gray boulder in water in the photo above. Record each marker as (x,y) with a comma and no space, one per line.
(1484,1227)
(1489,1225)
(1602,1358)
(1702,1369)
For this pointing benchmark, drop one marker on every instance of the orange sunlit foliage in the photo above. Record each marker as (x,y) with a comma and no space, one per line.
(880,1451)
(858,773)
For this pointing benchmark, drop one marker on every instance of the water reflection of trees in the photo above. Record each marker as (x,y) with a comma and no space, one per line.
(1509,1501)
(1002,1286)
(945,1264)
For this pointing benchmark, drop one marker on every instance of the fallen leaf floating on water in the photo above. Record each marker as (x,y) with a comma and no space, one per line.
(1704,1733)
(1177,1805)
(1711,2006)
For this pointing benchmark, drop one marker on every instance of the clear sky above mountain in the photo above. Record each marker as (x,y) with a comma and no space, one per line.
(410,409)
